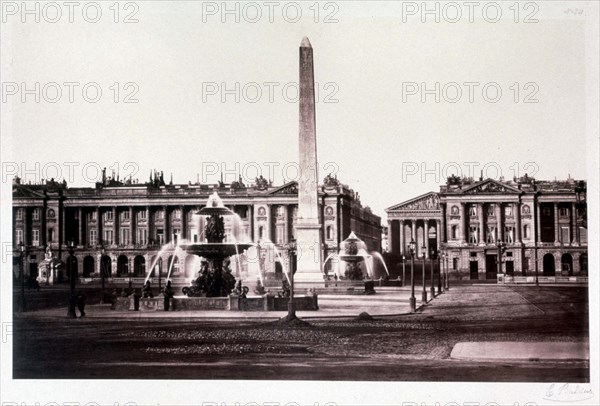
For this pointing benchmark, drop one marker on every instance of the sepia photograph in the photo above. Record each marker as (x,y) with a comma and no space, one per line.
(299,202)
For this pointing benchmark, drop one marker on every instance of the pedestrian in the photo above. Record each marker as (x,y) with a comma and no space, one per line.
(81,299)
(168,294)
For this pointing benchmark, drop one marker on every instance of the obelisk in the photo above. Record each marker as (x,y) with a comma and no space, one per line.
(308,228)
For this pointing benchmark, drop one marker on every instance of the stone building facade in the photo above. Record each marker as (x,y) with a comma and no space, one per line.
(119,228)
(472,223)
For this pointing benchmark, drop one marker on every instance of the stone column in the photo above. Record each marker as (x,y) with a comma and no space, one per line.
(575,227)
(481,234)
(132,228)
(148,225)
(438,234)
(183,220)
(444,230)
(463,223)
(401,235)
(538,209)
(499,222)
(269,227)
(80,227)
(426,236)
(390,236)
(286,236)
(517,215)
(99,236)
(556,231)
(413,235)
(116,235)
(166,231)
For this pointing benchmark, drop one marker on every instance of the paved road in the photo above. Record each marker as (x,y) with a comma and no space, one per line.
(401,348)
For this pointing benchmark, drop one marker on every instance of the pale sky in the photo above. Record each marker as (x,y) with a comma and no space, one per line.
(368,56)
(363,61)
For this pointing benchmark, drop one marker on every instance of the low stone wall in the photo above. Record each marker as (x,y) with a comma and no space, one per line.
(542,279)
(233,303)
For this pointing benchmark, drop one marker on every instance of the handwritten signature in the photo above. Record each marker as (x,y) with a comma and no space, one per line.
(568,392)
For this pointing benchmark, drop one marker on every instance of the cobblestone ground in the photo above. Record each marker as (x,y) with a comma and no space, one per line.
(378,349)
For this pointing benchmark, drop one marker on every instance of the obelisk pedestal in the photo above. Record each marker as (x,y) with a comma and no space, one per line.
(308,229)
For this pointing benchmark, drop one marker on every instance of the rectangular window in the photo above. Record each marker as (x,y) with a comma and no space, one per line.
(142,215)
(455,263)
(490,210)
(176,214)
(50,235)
(93,236)
(509,234)
(108,215)
(36,214)
(508,210)
(583,235)
(108,237)
(142,236)
(526,232)
(92,216)
(176,233)
(126,215)
(454,232)
(161,236)
(565,236)
(125,236)
(160,214)
(19,214)
(35,237)
(491,235)
(564,212)
(19,237)
(473,235)
(472,211)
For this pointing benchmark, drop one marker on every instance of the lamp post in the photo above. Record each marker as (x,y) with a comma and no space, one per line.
(403,270)
(72,281)
(292,269)
(22,249)
(413,300)
(439,264)
(424,293)
(102,274)
(501,247)
(431,254)
(447,276)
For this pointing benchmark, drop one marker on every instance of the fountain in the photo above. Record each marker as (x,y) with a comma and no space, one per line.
(215,279)
(349,253)
(214,287)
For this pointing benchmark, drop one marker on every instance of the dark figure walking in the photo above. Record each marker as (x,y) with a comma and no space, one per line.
(168,294)
(81,299)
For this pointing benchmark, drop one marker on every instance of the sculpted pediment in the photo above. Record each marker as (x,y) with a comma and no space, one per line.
(490,186)
(428,201)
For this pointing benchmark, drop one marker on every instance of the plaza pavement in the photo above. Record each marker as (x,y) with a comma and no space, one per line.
(462,302)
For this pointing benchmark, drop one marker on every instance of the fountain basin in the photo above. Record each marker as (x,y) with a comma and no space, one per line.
(216,249)
(231,303)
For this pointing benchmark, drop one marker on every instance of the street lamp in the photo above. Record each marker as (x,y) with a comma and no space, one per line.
(431,255)
(22,249)
(292,268)
(439,263)
(424,293)
(103,273)
(447,276)
(72,280)
(413,301)
(501,247)
(403,270)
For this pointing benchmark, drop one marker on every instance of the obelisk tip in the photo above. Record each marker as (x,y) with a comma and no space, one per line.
(305,43)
